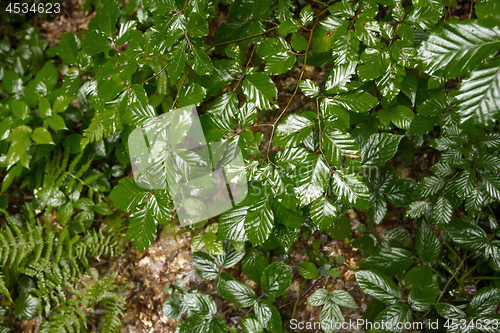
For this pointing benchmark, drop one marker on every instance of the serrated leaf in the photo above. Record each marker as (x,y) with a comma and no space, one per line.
(467,235)
(319,297)
(379,148)
(339,77)
(378,286)
(484,302)
(254,263)
(191,94)
(268,316)
(343,298)
(202,65)
(429,186)
(205,265)
(259,222)
(232,225)
(276,279)
(313,179)
(260,90)
(427,243)
(350,189)
(401,116)
(491,185)
(293,130)
(309,88)
(323,212)
(479,95)
(378,207)
(237,292)
(449,311)
(458,47)
(306,15)
(391,261)
(174,307)
(127,195)
(355,101)
(442,211)
(251,325)
(330,317)
(338,145)
(396,316)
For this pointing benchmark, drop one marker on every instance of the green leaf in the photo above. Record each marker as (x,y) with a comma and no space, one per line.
(143,221)
(3,288)
(26,306)
(488,13)
(299,43)
(176,66)
(449,311)
(355,101)
(56,122)
(127,195)
(232,225)
(343,298)
(378,286)
(429,186)
(479,95)
(268,316)
(401,116)
(259,222)
(94,43)
(294,130)
(205,265)
(251,325)
(107,17)
(378,207)
(427,243)
(389,261)
(174,307)
(330,317)
(200,305)
(442,211)
(313,179)
(191,94)
(492,185)
(323,212)
(427,16)
(339,77)
(67,49)
(467,235)
(41,136)
(337,145)
(197,26)
(424,288)
(484,302)
(307,269)
(379,148)
(254,263)
(458,47)
(216,126)
(202,65)
(260,90)
(395,316)
(276,279)
(237,292)
(306,15)
(350,189)
(319,297)
(309,88)
(276,53)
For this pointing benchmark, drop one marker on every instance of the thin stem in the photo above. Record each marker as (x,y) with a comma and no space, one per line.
(298,298)
(246,67)
(241,39)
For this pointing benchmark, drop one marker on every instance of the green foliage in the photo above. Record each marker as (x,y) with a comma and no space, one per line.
(387,87)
